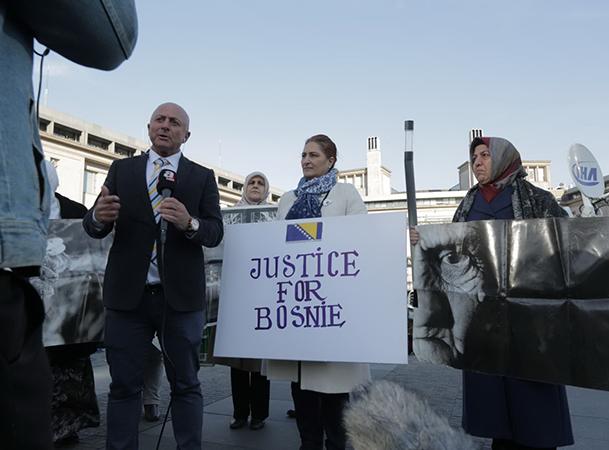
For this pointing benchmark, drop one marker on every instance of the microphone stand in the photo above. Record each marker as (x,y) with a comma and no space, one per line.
(165,193)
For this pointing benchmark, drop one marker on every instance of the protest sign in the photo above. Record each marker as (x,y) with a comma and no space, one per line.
(326,289)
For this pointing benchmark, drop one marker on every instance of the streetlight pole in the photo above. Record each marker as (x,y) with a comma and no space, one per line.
(411,194)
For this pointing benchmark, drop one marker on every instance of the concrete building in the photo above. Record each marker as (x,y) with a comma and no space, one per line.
(374,179)
(82,153)
(433,206)
(572,198)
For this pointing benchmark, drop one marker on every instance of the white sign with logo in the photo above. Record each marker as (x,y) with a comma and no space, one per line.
(326,289)
(585,171)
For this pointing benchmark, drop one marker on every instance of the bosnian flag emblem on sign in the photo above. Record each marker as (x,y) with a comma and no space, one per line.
(310,231)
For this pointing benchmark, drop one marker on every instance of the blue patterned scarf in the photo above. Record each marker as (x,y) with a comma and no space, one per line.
(307,193)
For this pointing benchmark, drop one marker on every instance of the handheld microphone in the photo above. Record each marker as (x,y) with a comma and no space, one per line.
(165,187)
(384,415)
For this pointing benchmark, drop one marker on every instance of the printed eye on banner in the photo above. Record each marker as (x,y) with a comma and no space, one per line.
(310,231)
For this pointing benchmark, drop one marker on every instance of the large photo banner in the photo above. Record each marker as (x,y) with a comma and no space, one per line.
(71,284)
(526,299)
(326,289)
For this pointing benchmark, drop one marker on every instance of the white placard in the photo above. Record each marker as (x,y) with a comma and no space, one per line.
(339,298)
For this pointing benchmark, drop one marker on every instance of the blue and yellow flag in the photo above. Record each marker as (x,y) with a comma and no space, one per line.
(310,231)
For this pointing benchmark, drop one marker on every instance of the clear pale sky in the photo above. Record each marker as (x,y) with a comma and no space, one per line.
(261,76)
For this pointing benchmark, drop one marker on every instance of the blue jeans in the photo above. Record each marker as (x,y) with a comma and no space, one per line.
(127,338)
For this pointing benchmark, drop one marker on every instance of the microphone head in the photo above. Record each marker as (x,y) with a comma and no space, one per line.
(167,183)
(383,415)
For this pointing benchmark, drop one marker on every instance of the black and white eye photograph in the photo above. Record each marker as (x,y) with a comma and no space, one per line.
(453,277)
(523,298)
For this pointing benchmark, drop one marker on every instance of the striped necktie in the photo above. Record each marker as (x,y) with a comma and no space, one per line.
(155,197)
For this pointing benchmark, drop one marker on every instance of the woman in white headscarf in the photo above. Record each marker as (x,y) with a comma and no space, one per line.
(250,389)
(256,190)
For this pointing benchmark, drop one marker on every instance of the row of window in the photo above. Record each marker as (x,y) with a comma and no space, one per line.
(92,184)
(427,202)
(537,174)
(356,180)
(66,132)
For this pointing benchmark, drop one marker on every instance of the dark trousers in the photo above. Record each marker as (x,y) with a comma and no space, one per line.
(128,336)
(25,377)
(317,413)
(504,444)
(251,392)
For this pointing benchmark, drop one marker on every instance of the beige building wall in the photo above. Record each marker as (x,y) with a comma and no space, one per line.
(82,153)
(433,206)
(374,179)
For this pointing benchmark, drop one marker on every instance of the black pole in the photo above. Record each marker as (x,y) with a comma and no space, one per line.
(411,194)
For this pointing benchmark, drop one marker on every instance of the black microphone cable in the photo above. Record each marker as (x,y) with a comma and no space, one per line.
(166,182)
(42,55)
(162,340)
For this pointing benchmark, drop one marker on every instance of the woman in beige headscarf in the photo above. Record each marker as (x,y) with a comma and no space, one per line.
(256,190)
(250,389)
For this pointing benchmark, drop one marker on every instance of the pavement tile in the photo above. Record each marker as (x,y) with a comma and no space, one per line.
(441,386)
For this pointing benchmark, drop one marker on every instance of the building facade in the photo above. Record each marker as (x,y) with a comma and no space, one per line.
(433,206)
(572,198)
(82,153)
(374,179)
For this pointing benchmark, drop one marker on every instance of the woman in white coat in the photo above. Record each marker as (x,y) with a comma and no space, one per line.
(320,389)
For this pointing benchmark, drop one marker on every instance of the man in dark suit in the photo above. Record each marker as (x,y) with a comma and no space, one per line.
(153,287)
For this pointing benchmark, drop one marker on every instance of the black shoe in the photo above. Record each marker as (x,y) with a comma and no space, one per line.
(152,413)
(237,423)
(257,424)
(291,414)
(70,439)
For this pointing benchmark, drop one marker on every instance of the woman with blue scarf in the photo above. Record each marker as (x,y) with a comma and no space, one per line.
(320,389)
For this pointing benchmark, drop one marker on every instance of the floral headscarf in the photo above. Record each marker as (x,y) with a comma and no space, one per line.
(506,165)
(308,195)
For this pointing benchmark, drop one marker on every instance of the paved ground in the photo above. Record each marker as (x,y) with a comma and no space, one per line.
(440,385)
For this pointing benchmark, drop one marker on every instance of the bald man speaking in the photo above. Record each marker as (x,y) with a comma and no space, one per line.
(155,280)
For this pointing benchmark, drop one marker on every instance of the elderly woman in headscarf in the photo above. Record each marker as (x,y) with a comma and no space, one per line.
(256,190)
(501,192)
(250,389)
(516,414)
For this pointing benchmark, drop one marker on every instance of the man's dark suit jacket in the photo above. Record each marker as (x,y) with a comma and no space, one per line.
(182,274)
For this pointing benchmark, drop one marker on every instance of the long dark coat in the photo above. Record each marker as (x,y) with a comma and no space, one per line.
(528,412)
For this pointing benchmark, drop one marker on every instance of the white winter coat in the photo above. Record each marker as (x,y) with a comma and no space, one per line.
(326,377)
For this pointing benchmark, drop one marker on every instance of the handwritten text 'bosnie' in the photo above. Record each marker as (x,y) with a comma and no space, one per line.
(301,278)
